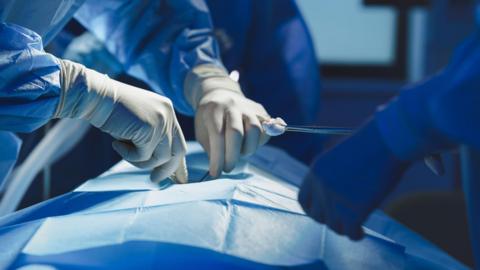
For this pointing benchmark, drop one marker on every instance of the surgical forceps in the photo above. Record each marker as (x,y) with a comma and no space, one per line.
(326,130)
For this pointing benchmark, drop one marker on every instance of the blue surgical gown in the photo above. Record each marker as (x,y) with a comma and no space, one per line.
(156,41)
(30,84)
(269,44)
(348,182)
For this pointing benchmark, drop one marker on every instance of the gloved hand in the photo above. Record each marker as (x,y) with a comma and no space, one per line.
(143,123)
(227,124)
(348,182)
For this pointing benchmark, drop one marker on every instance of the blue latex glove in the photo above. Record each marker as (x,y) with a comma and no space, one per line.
(348,182)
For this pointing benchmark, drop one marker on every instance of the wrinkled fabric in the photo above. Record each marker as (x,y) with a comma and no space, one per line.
(30,80)
(157,42)
(247,219)
(46,18)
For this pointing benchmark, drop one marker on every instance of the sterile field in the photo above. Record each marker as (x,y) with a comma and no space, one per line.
(247,219)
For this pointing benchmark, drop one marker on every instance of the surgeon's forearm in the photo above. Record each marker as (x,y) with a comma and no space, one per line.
(406,123)
(364,155)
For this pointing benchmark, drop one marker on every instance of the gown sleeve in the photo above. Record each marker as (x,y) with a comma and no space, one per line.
(30,80)
(156,41)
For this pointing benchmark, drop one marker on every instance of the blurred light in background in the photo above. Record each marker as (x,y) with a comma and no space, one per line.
(348,33)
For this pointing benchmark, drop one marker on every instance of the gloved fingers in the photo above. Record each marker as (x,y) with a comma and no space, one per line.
(123,148)
(233,138)
(179,144)
(165,170)
(261,116)
(181,174)
(201,130)
(264,138)
(253,130)
(179,149)
(205,143)
(131,152)
(161,155)
(260,111)
(216,139)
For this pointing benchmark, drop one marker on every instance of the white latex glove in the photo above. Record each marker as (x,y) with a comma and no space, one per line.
(142,122)
(227,124)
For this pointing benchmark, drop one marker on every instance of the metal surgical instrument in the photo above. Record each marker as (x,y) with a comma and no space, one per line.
(327,130)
